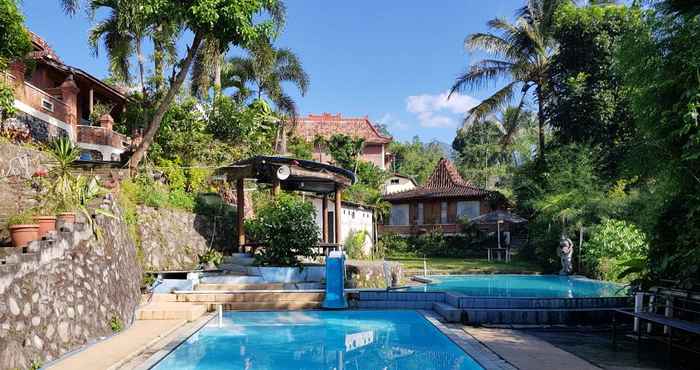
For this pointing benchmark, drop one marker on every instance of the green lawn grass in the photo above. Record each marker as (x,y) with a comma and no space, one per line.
(438,266)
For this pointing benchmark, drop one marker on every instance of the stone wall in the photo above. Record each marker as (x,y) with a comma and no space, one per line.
(61,294)
(17,193)
(173,240)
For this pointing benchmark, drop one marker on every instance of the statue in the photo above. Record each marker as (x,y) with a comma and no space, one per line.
(565,253)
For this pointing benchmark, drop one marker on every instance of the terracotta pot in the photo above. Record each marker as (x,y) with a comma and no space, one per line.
(66,218)
(46,224)
(23,234)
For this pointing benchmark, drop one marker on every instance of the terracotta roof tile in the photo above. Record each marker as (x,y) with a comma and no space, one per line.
(327,125)
(445,182)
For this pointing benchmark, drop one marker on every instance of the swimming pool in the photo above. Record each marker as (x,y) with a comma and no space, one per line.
(522,286)
(319,340)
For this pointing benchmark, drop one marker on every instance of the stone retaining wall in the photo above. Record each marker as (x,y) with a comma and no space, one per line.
(64,293)
(173,240)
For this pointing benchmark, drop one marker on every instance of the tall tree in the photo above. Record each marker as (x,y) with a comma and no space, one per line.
(522,52)
(231,22)
(590,103)
(123,31)
(261,73)
(209,62)
(416,159)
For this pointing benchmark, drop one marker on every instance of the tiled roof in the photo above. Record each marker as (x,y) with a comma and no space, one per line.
(327,125)
(445,182)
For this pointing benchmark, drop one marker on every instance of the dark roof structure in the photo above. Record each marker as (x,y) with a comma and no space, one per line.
(304,175)
(445,182)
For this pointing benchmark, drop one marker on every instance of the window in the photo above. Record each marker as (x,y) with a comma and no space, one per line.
(443,212)
(419,216)
(399,214)
(467,210)
(47,105)
(395,181)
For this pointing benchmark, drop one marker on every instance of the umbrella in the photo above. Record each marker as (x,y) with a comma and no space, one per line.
(496,216)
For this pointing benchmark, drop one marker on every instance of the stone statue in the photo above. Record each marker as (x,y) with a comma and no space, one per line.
(565,253)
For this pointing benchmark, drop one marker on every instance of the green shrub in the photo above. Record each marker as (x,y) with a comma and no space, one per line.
(115,323)
(22,218)
(354,244)
(394,244)
(612,245)
(286,227)
(181,199)
(211,255)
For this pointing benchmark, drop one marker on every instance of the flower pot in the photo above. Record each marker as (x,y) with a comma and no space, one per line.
(65,218)
(46,224)
(22,235)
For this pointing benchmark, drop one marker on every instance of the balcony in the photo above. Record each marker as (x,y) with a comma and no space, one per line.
(40,100)
(102,136)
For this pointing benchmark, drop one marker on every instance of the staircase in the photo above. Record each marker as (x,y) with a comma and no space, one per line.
(166,307)
(254,299)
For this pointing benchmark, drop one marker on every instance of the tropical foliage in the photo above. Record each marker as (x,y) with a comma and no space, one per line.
(286,226)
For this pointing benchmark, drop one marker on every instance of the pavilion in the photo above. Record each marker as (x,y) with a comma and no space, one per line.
(285,173)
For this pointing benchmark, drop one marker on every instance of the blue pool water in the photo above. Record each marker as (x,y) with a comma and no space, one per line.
(530,286)
(326,340)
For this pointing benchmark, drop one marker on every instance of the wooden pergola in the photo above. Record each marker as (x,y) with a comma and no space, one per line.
(289,174)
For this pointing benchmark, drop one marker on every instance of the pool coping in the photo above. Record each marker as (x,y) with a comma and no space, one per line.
(181,334)
(485,357)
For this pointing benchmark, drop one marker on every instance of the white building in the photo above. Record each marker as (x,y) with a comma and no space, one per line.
(398,183)
(354,218)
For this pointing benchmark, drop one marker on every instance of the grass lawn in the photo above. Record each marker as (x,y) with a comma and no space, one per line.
(437,266)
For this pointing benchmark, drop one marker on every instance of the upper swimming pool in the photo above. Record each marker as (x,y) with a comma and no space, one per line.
(522,286)
(319,340)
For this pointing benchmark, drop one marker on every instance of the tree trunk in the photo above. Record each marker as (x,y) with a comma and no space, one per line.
(540,121)
(139,57)
(164,105)
(217,74)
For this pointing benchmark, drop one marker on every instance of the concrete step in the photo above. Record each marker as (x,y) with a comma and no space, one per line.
(158,297)
(170,311)
(266,306)
(251,297)
(234,269)
(230,287)
(448,312)
(231,279)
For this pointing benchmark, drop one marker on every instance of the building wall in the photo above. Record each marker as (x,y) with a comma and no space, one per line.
(395,184)
(353,219)
(374,153)
(433,211)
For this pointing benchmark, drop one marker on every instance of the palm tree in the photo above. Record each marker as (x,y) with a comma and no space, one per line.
(522,52)
(70,7)
(208,65)
(260,74)
(123,31)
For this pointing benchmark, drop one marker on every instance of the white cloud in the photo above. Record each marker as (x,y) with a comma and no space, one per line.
(392,123)
(438,110)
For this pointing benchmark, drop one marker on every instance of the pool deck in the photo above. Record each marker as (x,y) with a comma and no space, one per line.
(526,352)
(116,351)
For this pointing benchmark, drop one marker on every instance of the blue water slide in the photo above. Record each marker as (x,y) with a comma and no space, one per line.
(335,282)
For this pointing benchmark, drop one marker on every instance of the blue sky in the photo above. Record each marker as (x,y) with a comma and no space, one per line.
(392,61)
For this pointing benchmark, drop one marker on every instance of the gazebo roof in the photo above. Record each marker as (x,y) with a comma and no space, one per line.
(499,215)
(304,175)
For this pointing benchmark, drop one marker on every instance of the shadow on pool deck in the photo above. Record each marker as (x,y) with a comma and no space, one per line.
(594,345)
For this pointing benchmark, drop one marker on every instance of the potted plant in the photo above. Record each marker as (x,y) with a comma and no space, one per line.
(46,224)
(22,229)
(64,153)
